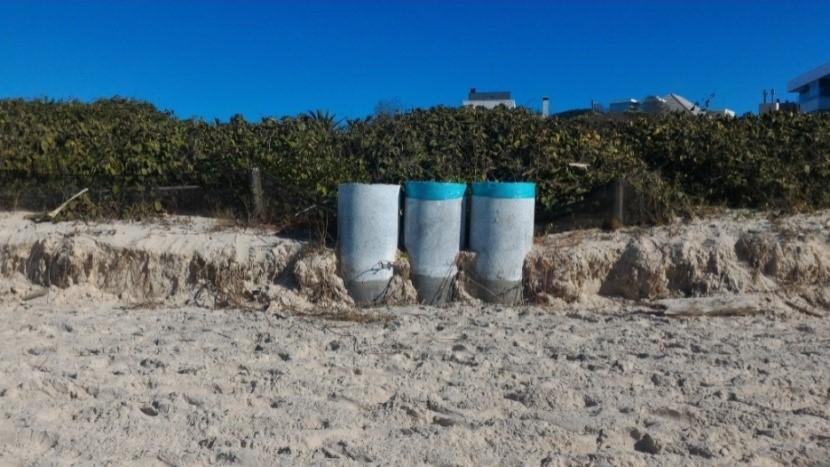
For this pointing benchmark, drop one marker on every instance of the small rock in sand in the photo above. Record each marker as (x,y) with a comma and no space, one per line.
(648,445)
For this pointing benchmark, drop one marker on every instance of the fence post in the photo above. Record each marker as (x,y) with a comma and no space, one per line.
(618,203)
(257,194)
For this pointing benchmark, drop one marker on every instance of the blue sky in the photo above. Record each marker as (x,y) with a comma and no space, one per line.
(213,59)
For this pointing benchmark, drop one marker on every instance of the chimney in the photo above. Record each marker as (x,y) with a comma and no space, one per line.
(545,106)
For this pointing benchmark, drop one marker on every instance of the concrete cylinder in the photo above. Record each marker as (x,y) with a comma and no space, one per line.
(501,233)
(433,231)
(367,238)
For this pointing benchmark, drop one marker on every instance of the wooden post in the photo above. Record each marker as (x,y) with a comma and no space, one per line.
(257,194)
(618,203)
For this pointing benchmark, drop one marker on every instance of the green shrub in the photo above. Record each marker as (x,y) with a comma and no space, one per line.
(120,147)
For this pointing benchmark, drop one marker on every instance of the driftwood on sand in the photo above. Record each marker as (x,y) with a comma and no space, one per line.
(51,215)
(735,305)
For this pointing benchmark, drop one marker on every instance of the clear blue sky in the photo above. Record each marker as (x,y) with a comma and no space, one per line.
(214,59)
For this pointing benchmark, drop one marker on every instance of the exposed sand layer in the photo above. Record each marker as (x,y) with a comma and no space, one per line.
(195,261)
(185,260)
(735,253)
(92,384)
(178,261)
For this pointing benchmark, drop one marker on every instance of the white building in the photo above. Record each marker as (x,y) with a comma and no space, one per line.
(668,103)
(775,107)
(813,89)
(678,103)
(626,105)
(489,100)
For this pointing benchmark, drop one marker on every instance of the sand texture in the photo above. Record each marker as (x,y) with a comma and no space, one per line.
(184,342)
(92,384)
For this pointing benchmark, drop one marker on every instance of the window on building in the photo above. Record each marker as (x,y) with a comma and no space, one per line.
(824,87)
(804,95)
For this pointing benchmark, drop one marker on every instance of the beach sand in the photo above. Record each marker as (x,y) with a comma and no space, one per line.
(184,342)
(96,384)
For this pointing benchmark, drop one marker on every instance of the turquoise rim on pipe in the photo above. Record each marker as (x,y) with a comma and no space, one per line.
(505,190)
(434,191)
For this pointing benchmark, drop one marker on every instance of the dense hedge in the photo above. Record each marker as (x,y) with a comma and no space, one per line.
(118,146)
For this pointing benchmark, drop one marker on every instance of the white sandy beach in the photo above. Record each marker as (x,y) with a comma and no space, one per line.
(183,343)
(101,384)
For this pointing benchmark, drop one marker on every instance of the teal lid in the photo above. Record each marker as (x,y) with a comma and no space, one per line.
(505,190)
(435,191)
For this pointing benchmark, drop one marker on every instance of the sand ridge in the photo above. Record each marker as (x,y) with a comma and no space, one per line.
(197,261)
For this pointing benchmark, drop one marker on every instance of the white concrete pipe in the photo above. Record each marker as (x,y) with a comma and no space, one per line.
(367,237)
(501,233)
(433,230)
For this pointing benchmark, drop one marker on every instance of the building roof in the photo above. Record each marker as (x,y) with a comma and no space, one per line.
(678,102)
(812,75)
(489,96)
